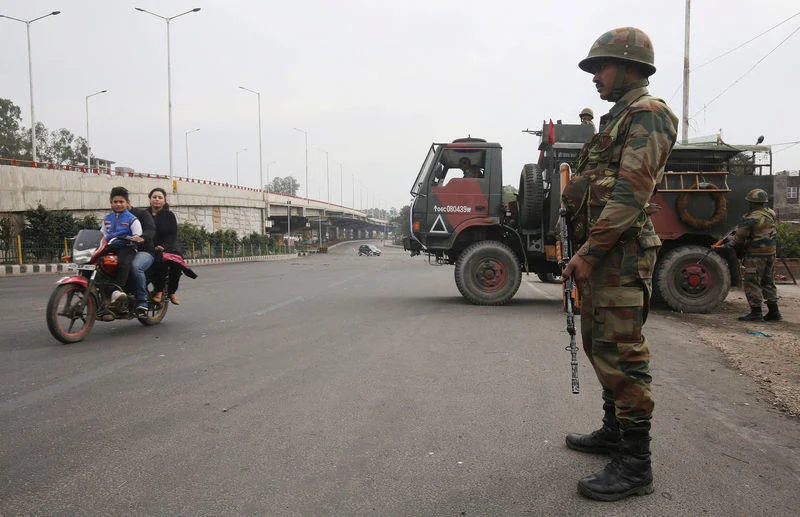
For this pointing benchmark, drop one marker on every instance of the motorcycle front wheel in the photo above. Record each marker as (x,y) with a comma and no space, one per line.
(70,313)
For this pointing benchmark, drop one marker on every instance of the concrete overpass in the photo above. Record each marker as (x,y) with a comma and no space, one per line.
(213,205)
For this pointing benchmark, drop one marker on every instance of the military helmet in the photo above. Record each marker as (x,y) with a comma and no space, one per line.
(586,111)
(757,196)
(624,44)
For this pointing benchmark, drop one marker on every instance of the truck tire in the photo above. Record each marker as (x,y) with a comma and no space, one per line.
(488,273)
(688,286)
(531,197)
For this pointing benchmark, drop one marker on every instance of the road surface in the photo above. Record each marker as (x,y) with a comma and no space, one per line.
(344,385)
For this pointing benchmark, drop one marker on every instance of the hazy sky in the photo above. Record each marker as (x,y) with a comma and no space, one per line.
(375,82)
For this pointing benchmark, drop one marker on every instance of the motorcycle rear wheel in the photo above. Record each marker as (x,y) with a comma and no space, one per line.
(155,313)
(67,321)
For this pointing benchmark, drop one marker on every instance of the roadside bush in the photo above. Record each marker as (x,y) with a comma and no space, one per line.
(256,241)
(45,230)
(788,240)
(191,236)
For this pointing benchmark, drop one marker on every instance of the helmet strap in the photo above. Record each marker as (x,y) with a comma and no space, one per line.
(617,91)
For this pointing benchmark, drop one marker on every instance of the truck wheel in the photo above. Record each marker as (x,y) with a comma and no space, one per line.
(531,197)
(689,286)
(488,273)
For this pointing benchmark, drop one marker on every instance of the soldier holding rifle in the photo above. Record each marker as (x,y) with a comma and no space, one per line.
(607,200)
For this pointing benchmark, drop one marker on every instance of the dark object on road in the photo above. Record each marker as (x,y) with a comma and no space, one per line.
(369,250)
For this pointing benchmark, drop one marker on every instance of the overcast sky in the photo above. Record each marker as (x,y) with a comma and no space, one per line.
(375,82)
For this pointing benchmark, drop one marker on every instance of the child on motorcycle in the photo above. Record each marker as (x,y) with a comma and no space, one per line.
(126,228)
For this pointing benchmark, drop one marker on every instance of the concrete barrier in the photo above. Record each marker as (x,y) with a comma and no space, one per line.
(39,269)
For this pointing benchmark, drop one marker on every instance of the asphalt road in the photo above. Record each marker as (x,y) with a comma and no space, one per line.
(343,385)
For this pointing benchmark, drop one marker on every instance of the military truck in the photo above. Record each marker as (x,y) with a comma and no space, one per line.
(460,219)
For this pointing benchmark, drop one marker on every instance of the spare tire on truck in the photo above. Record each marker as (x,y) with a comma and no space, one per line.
(531,197)
(488,273)
(690,279)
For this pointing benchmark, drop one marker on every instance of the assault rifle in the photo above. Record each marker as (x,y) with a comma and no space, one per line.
(570,290)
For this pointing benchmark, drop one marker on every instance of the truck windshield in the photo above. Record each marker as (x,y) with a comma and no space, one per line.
(423,171)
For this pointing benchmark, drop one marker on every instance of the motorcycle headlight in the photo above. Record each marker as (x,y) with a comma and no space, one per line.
(83,256)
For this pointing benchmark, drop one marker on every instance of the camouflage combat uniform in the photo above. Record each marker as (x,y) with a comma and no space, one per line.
(618,170)
(757,235)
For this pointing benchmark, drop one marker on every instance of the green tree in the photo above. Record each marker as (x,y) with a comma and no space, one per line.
(287,185)
(12,138)
(401,223)
(788,240)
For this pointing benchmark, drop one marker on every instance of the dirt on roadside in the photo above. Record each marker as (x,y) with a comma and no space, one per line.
(769,352)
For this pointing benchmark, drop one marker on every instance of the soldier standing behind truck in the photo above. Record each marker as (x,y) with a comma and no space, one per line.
(617,172)
(757,237)
(587,118)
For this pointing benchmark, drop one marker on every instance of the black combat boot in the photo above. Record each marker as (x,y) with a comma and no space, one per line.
(755,315)
(773,314)
(602,441)
(628,474)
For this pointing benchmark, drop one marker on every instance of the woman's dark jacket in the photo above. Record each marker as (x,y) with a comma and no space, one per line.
(166,231)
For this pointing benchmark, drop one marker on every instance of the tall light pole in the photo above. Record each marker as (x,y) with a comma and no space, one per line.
(169,74)
(685,116)
(327,174)
(260,156)
(237,164)
(305,132)
(88,146)
(30,73)
(260,163)
(186,134)
(289,224)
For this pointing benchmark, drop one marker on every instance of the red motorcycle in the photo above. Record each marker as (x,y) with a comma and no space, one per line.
(80,299)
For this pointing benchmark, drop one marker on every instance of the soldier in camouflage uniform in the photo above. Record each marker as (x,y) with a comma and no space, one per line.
(607,199)
(587,117)
(756,235)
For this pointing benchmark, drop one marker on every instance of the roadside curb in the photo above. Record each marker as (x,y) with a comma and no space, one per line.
(41,269)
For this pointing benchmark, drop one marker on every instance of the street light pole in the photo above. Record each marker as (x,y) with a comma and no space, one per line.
(88,146)
(30,74)
(305,132)
(169,75)
(260,163)
(289,224)
(237,164)
(186,134)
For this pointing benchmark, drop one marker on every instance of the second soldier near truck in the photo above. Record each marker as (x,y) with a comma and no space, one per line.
(607,200)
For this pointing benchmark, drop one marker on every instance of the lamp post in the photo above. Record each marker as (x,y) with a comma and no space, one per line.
(289,224)
(260,162)
(30,73)
(305,132)
(169,74)
(186,134)
(88,146)
(237,164)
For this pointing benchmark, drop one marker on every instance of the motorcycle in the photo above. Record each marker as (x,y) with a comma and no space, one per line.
(80,299)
